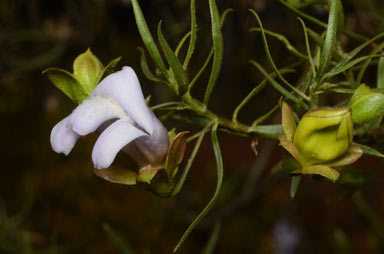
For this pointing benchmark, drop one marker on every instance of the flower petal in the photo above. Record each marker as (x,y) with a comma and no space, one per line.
(135,153)
(112,140)
(92,113)
(155,146)
(63,139)
(124,87)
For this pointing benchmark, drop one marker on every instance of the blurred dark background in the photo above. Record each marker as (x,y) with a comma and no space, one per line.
(50,203)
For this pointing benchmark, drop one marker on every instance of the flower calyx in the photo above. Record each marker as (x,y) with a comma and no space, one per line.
(87,73)
(321,141)
(158,178)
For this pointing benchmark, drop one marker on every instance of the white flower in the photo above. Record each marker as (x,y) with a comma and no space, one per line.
(117,109)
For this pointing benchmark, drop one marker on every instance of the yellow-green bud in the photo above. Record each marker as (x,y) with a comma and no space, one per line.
(324,135)
(366,105)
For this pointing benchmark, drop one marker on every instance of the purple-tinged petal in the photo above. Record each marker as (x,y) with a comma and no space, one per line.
(63,139)
(154,146)
(135,153)
(124,87)
(92,113)
(112,140)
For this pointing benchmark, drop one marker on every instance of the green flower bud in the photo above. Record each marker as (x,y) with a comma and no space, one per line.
(366,105)
(324,135)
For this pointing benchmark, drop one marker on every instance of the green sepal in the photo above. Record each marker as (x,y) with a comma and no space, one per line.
(117,175)
(67,83)
(352,155)
(288,121)
(322,170)
(147,173)
(295,182)
(88,70)
(171,134)
(175,153)
(291,148)
(370,151)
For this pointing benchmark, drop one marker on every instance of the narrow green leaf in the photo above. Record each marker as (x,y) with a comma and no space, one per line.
(192,41)
(147,38)
(254,91)
(310,59)
(184,175)
(174,63)
(366,63)
(351,34)
(283,39)
(88,70)
(380,73)
(340,90)
(330,37)
(208,59)
(224,16)
(304,15)
(217,50)
(197,76)
(269,57)
(295,182)
(145,68)
(208,207)
(348,65)
(181,43)
(276,85)
(340,20)
(265,116)
(315,37)
(177,105)
(370,151)
(111,67)
(66,83)
(354,52)
(307,81)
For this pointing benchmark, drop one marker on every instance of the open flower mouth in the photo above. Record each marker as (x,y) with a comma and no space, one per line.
(117,108)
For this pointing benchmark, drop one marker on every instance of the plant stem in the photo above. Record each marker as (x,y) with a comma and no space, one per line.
(254,131)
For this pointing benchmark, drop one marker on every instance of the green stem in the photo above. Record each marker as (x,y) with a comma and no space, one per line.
(268,131)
